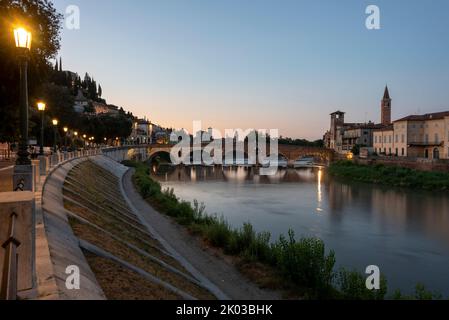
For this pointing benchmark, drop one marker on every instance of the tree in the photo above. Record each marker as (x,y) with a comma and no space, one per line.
(100,91)
(44,22)
(60,102)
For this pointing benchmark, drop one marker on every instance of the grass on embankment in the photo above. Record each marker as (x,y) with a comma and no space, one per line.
(391,176)
(102,218)
(301,267)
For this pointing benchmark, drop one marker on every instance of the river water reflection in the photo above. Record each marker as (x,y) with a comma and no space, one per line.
(404,232)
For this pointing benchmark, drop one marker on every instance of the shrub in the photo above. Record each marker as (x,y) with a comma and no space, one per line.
(218,233)
(305,263)
(393,176)
(352,286)
(421,293)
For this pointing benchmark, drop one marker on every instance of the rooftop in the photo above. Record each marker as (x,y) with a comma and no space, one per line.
(389,127)
(427,116)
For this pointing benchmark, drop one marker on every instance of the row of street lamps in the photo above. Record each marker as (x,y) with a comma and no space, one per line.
(23,39)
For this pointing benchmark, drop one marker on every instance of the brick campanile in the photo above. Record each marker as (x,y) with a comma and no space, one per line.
(386,108)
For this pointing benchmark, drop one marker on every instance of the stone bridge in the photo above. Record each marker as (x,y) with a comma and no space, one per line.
(289,153)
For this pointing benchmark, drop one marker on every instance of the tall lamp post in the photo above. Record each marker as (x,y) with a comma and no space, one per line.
(65,137)
(41,108)
(55,127)
(23,44)
(76,139)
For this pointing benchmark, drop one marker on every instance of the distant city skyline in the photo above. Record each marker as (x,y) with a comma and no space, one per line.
(265,64)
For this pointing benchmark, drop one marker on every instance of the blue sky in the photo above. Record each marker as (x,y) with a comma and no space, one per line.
(263,64)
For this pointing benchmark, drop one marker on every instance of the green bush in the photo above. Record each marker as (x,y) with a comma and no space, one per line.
(305,263)
(421,293)
(218,233)
(392,176)
(352,286)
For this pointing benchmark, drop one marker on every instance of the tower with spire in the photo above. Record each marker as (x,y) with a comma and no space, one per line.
(386,108)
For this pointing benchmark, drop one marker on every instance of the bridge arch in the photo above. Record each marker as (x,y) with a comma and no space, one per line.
(159,153)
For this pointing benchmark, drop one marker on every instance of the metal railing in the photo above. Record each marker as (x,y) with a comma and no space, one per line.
(10,266)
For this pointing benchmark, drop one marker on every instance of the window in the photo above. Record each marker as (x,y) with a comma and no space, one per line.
(397,152)
(402,151)
(389,151)
(426,138)
(437,138)
(389,139)
(403,138)
(396,139)
(375,139)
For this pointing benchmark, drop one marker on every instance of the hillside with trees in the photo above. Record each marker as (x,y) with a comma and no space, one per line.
(46,81)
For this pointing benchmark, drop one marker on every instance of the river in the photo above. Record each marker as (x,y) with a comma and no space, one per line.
(404,232)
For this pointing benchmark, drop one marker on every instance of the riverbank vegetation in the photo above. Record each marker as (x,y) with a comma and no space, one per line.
(303,267)
(391,176)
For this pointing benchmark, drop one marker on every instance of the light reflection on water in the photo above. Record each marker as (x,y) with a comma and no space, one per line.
(404,232)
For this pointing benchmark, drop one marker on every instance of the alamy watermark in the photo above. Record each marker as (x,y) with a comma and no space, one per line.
(72,281)
(72,17)
(372,22)
(373,280)
(237,146)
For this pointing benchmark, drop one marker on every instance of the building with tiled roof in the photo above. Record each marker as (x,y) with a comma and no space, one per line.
(343,136)
(416,136)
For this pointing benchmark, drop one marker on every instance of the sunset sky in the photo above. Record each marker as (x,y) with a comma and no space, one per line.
(262,64)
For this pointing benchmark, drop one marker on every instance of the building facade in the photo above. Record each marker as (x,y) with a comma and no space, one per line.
(417,136)
(343,137)
(384,141)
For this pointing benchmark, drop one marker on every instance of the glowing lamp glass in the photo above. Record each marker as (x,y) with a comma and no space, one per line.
(23,38)
(41,106)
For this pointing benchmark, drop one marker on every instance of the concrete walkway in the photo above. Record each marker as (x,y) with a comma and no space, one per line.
(221,273)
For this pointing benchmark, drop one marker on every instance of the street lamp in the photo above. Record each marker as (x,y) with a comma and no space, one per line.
(23,43)
(41,107)
(65,137)
(76,138)
(23,38)
(55,126)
